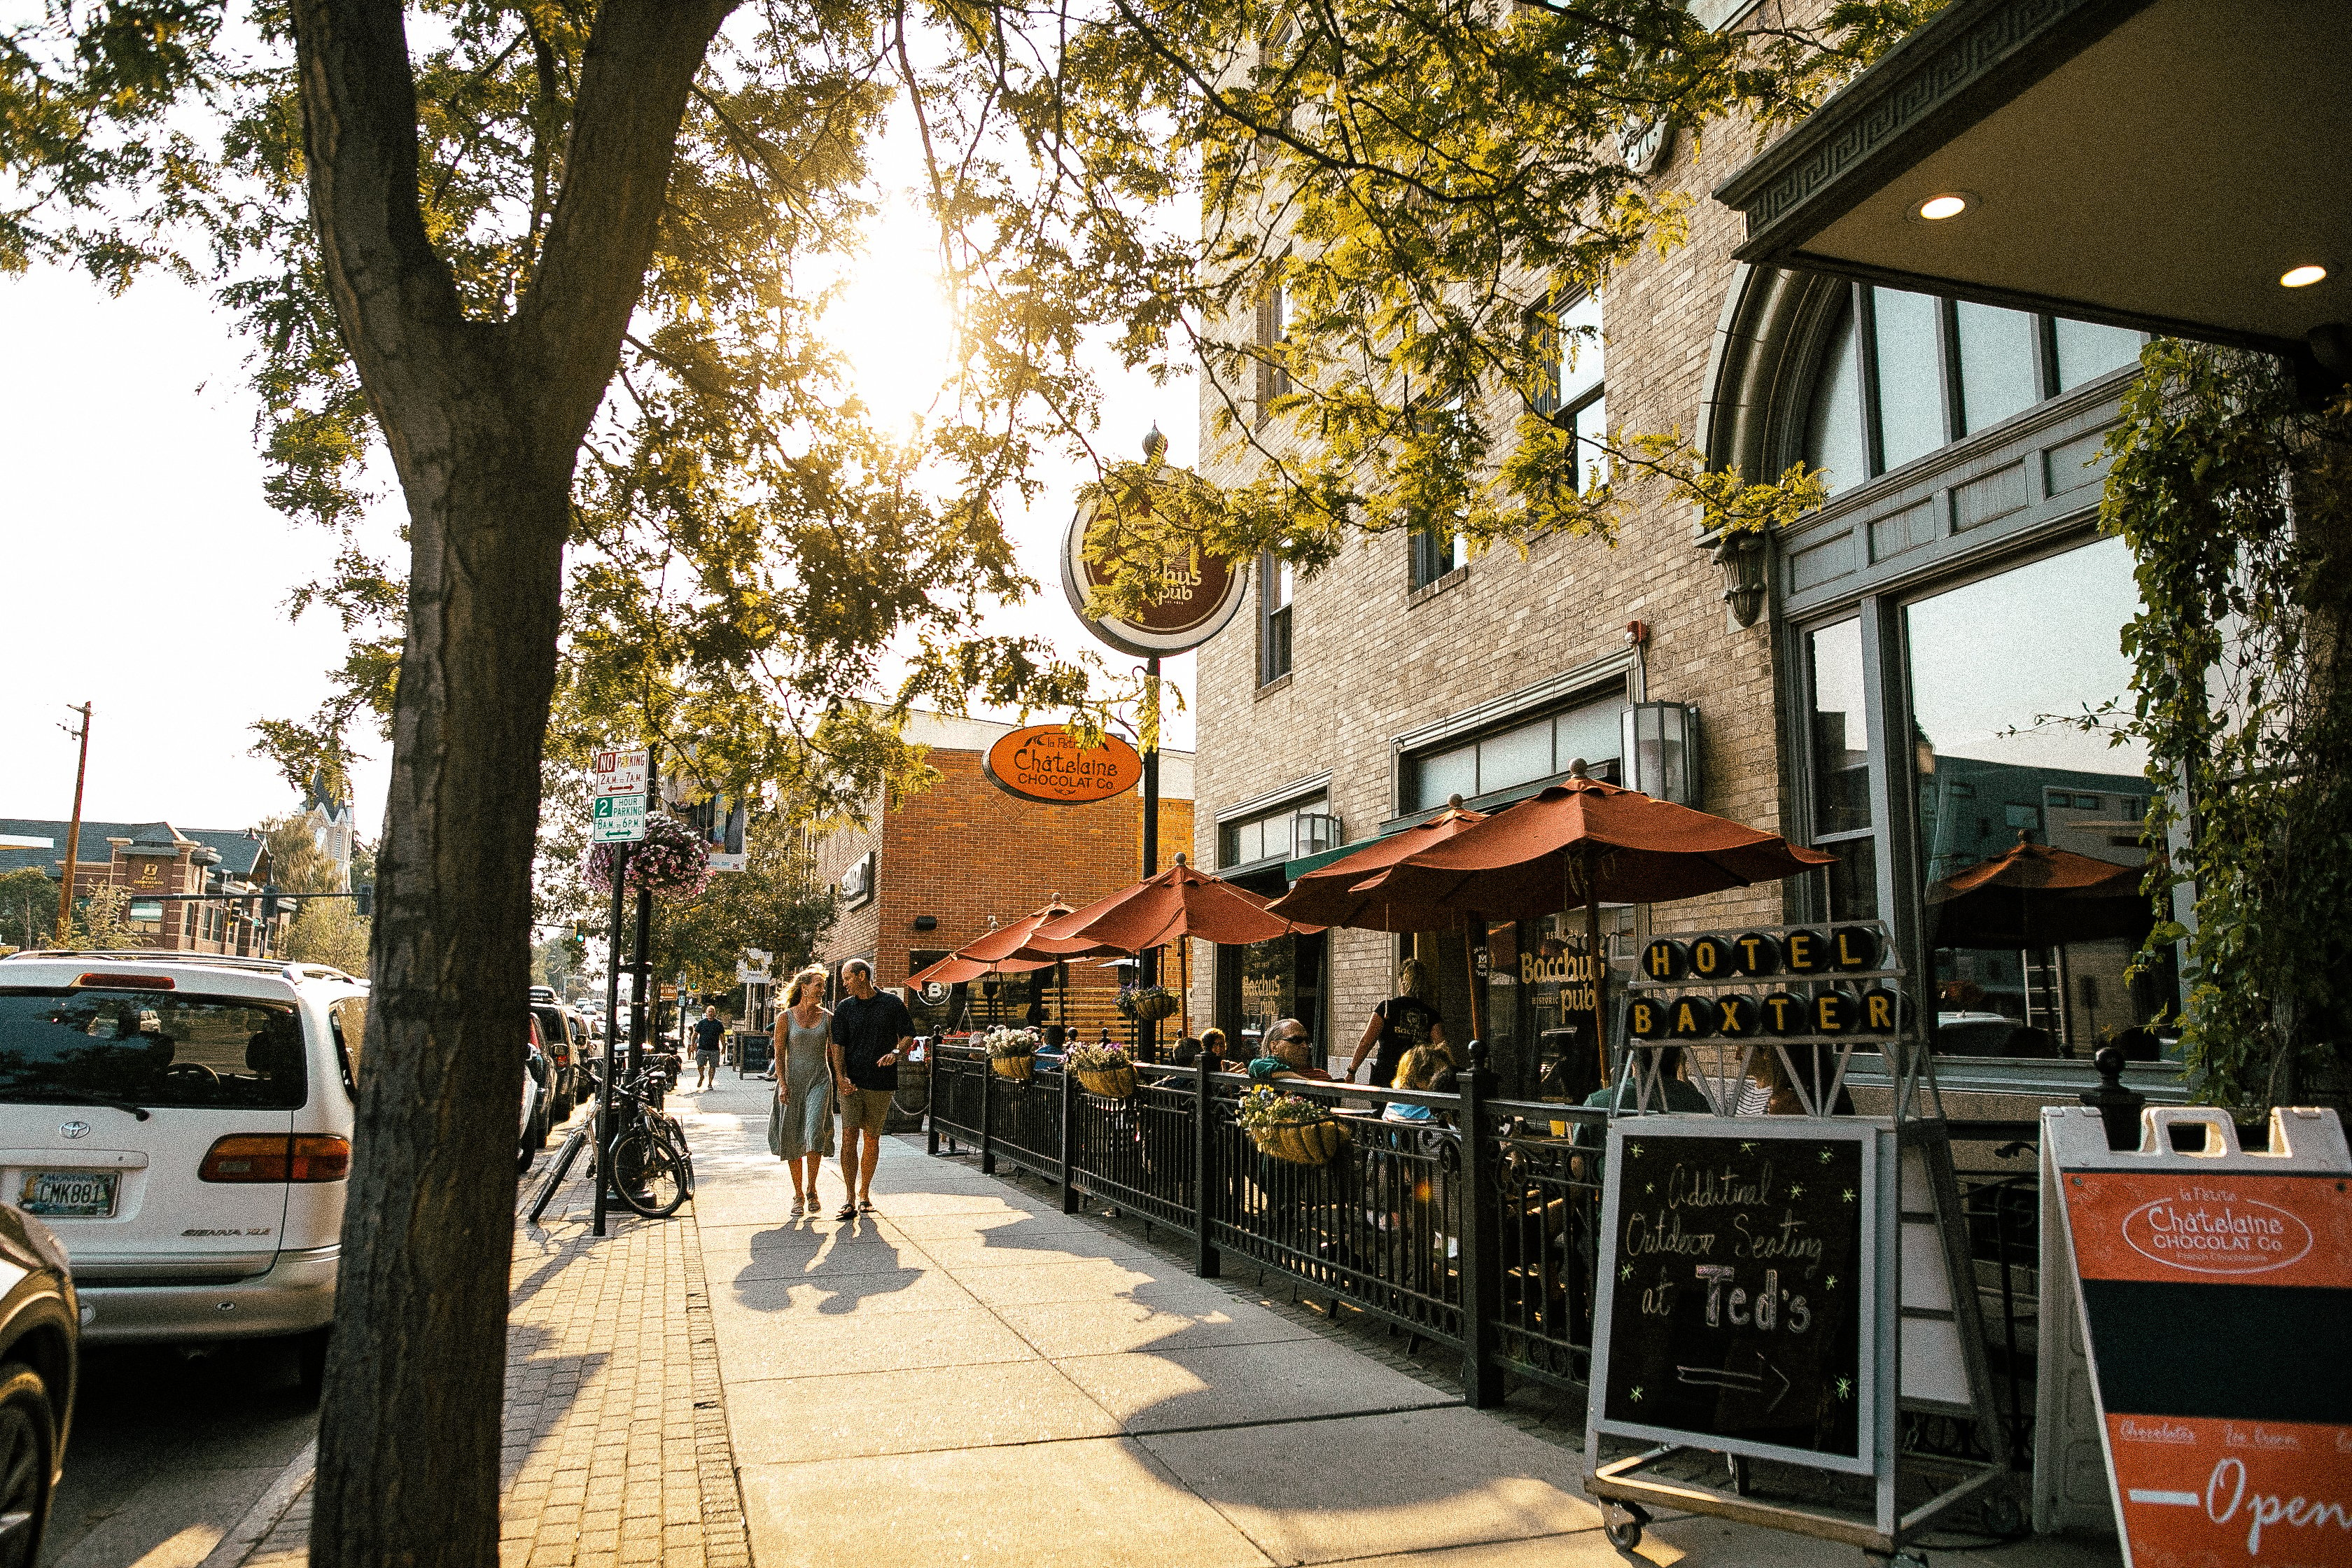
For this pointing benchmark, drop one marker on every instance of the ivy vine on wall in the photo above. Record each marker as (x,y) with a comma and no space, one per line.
(2233,487)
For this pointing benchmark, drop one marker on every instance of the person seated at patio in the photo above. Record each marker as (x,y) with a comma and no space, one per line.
(1422,1068)
(1288,1054)
(1213,1047)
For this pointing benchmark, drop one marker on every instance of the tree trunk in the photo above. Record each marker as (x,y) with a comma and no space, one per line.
(409,1438)
(484,422)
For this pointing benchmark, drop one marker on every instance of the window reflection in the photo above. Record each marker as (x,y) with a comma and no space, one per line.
(2009,675)
(1841,737)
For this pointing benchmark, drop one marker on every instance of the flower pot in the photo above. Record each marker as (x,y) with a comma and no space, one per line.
(1014,1068)
(1111,1083)
(1152,1009)
(1301,1142)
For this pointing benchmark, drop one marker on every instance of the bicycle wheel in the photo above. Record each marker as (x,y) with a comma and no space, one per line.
(557,1171)
(646,1173)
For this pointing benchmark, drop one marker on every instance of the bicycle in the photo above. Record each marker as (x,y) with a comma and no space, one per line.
(653,1172)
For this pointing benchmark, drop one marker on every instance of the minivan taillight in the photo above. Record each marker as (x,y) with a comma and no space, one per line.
(276,1157)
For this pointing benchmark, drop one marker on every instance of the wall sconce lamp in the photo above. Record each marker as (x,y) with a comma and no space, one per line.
(1741,556)
(927,922)
(1660,751)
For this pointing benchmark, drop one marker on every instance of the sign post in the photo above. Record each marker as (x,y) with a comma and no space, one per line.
(617,785)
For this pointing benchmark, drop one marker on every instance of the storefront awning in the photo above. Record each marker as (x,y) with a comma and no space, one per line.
(2155,163)
(1294,869)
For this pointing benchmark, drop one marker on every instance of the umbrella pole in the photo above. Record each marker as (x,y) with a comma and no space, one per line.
(1598,963)
(1472,920)
(1184,991)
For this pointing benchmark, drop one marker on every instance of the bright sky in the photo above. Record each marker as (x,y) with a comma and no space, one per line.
(144,572)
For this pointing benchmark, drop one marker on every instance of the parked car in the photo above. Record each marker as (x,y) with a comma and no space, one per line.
(557,1040)
(40,1354)
(184,1123)
(537,1075)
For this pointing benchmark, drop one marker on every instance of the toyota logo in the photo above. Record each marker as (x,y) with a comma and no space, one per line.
(74,1130)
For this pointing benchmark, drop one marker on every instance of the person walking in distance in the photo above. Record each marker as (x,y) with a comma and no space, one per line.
(870,1029)
(708,1035)
(800,1127)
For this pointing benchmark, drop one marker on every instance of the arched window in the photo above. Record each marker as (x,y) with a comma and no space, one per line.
(1903,374)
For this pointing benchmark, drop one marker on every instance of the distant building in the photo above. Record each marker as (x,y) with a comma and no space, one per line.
(159,865)
(963,851)
(333,827)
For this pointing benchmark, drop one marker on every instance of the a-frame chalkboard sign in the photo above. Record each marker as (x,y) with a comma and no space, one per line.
(1778,1281)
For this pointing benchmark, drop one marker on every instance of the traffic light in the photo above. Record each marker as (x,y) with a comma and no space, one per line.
(270,903)
(363,900)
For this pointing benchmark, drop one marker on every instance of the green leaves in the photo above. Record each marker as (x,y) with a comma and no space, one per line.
(2235,495)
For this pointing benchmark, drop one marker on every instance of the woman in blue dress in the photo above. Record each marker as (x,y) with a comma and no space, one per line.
(800,1127)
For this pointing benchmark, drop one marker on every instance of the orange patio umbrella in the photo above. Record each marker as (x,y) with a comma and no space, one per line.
(1586,843)
(1331,896)
(1003,950)
(1176,904)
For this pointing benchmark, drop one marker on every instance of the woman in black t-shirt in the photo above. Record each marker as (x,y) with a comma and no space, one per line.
(1398,1025)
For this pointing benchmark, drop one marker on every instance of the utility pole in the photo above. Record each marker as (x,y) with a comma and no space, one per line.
(73,833)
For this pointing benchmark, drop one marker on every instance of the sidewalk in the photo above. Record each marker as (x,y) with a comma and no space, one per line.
(617,1450)
(971,1376)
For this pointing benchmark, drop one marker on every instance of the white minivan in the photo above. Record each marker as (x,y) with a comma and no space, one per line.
(182,1121)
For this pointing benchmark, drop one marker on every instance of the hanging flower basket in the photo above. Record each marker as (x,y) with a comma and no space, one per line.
(669,862)
(1301,1142)
(1012,1053)
(1290,1127)
(1148,1003)
(1103,1069)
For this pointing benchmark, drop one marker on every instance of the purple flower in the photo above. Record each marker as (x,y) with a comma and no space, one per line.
(669,861)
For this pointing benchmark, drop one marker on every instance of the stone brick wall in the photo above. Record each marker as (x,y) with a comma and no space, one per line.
(1372,661)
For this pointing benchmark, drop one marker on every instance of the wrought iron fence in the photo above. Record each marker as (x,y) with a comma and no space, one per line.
(1484,1243)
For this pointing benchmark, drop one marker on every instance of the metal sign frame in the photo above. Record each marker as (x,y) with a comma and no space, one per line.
(1910,1149)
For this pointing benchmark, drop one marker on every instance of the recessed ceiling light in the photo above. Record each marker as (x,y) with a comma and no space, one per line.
(1949,204)
(2301,277)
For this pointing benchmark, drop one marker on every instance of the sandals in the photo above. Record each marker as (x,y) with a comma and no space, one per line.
(846,1211)
(866,1205)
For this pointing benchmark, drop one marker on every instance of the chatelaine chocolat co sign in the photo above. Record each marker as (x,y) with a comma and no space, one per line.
(1043,762)
(2216,1290)
(1196,602)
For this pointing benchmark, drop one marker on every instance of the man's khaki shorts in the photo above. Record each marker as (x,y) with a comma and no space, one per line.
(865,1111)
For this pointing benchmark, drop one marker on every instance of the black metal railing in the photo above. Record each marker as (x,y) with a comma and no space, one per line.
(1476,1228)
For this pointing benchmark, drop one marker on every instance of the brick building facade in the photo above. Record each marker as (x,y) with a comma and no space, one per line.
(965,851)
(1351,702)
(152,859)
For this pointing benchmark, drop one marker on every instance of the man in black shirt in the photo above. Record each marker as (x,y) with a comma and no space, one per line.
(870,1029)
(709,1036)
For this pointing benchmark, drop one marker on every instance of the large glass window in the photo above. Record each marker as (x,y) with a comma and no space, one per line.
(2014,681)
(1522,753)
(1840,730)
(1274,834)
(1903,374)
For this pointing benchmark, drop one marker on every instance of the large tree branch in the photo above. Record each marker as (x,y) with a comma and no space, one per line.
(642,59)
(395,300)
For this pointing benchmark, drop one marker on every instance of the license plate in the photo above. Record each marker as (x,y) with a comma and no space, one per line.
(70,1194)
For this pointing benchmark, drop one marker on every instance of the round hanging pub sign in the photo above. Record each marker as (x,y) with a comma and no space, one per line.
(1044,763)
(1195,603)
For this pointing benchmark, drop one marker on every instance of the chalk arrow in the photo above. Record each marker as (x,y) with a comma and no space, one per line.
(1743,1381)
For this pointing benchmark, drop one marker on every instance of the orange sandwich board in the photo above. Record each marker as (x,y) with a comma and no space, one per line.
(2215,1285)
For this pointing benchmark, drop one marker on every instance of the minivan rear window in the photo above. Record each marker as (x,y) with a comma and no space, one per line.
(149,1048)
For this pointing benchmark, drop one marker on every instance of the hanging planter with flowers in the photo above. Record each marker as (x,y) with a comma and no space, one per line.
(670,861)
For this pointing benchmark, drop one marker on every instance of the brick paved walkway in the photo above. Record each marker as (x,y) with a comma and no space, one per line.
(617,1450)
